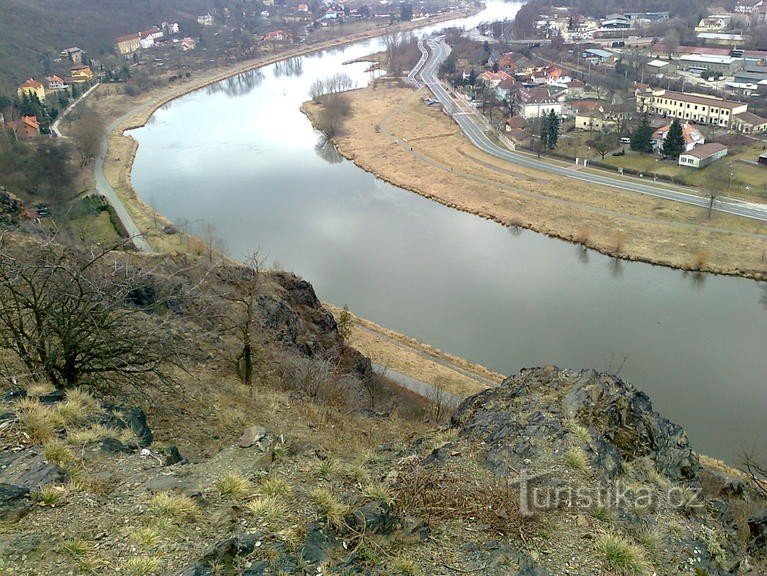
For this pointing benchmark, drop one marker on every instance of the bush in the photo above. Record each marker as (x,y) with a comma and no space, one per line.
(622,557)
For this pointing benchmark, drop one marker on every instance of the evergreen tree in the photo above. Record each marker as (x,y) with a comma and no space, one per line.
(545,131)
(553,130)
(641,137)
(674,143)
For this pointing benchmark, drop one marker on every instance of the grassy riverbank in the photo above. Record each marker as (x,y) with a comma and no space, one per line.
(427,154)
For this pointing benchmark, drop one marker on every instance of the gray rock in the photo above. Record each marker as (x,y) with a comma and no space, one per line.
(318,542)
(14,501)
(757,527)
(124,417)
(53,397)
(174,484)
(114,446)
(251,435)
(13,395)
(374,517)
(29,469)
(172,456)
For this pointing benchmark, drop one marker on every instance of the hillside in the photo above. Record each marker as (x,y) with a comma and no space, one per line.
(319,466)
(31,30)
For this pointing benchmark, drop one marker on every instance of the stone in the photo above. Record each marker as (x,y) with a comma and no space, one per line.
(374,517)
(757,528)
(13,395)
(172,456)
(29,469)
(251,435)
(53,397)
(173,483)
(132,417)
(114,446)
(14,501)
(528,568)
(317,543)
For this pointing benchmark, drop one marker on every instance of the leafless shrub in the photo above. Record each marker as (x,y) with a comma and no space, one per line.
(330,118)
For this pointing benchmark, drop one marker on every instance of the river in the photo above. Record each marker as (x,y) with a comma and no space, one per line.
(240,156)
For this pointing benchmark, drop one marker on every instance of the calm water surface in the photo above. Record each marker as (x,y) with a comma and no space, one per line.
(241,157)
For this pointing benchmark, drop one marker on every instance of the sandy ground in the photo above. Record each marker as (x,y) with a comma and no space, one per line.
(420,361)
(433,159)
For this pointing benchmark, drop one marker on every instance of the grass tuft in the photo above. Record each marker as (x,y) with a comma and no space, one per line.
(329,506)
(274,487)
(175,506)
(37,421)
(49,495)
(56,452)
(234,486)
(268,509)
(379,491)
(403,566)
(576,459)
(622,557)
(141,566)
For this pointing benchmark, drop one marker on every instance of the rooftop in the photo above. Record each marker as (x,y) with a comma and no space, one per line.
(695,99)
(709,58)
(706,150)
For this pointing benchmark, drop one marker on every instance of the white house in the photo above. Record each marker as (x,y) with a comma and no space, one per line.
(702,156)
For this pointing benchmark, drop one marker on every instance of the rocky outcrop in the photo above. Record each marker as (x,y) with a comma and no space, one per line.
(757,527)
(538,408)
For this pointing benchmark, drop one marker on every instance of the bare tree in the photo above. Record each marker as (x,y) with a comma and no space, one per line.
(87,133)
(74,318)
(758,473)
(330,118)
(243,287)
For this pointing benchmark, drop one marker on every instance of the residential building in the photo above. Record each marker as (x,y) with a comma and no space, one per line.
(128,44)
(303,8)
(55,83)
(81,74)
(598,55)
(749,123)
(762,160)
(691,107)
(535,102)
(32,88)
(714,23)
(725,65)
(702,156)
(721,38)
(154,33)
(599,120)
(692,137)
(576,88)
(74,55)
(277,36)
(493,79)
(205,20)
(170,28)
(188,44)
(26,128)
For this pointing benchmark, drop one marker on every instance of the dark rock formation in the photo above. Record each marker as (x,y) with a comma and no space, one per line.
(14,501)
(535,407)
(124,417)
(29,470)
(757,527)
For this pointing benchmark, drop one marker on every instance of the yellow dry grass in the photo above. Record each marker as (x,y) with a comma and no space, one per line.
(446,167)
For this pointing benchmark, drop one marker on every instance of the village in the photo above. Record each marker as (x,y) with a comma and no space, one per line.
(609,92)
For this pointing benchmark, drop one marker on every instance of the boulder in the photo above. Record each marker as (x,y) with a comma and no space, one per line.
(757,527)
(123,417)
(318,542)
(252,435)
(53,397)
(374,517)
(14,501)
(13,395)
(536,407)
(29,469)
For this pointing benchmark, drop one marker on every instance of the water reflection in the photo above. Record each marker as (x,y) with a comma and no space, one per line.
(327,150)
(616,267)
(239,85)
(763,299)
(292,67)
(582,253)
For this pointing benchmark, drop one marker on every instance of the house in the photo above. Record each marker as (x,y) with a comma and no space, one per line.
(55,83)
(507,62)
(277,36)
(535,102)
(303,8)
(26,128)
(32,88)
(692,107)
(170,28)
(749,123)
(692,137)
(762,160)
(81,74)
(714,23)
(74,55)
(493,79)
(154,33)
(725,65)
(205,20)
(599,120)
(188,44)
(600,56)
(515,123)
(128,44)
(703,155)
(576,88)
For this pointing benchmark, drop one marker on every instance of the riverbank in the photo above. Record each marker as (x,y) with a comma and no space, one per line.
(392,134)
(122,113)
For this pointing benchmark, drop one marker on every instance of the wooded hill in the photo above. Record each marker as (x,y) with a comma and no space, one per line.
(34,31)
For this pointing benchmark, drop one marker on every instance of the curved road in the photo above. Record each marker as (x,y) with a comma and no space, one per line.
(475,127)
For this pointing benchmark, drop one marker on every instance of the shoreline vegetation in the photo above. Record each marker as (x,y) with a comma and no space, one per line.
(385,347)
(401,140)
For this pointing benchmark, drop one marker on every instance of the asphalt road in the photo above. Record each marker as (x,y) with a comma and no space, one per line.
(475,127)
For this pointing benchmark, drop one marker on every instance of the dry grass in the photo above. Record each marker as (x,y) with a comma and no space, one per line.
(141,566)
(268,509)
(38,421)
(654,230)
(576,459)
(174,506)
(49,495)
(57,452)
(329,506)
(274,487)
(621,557)
(234,486)
(379,491)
